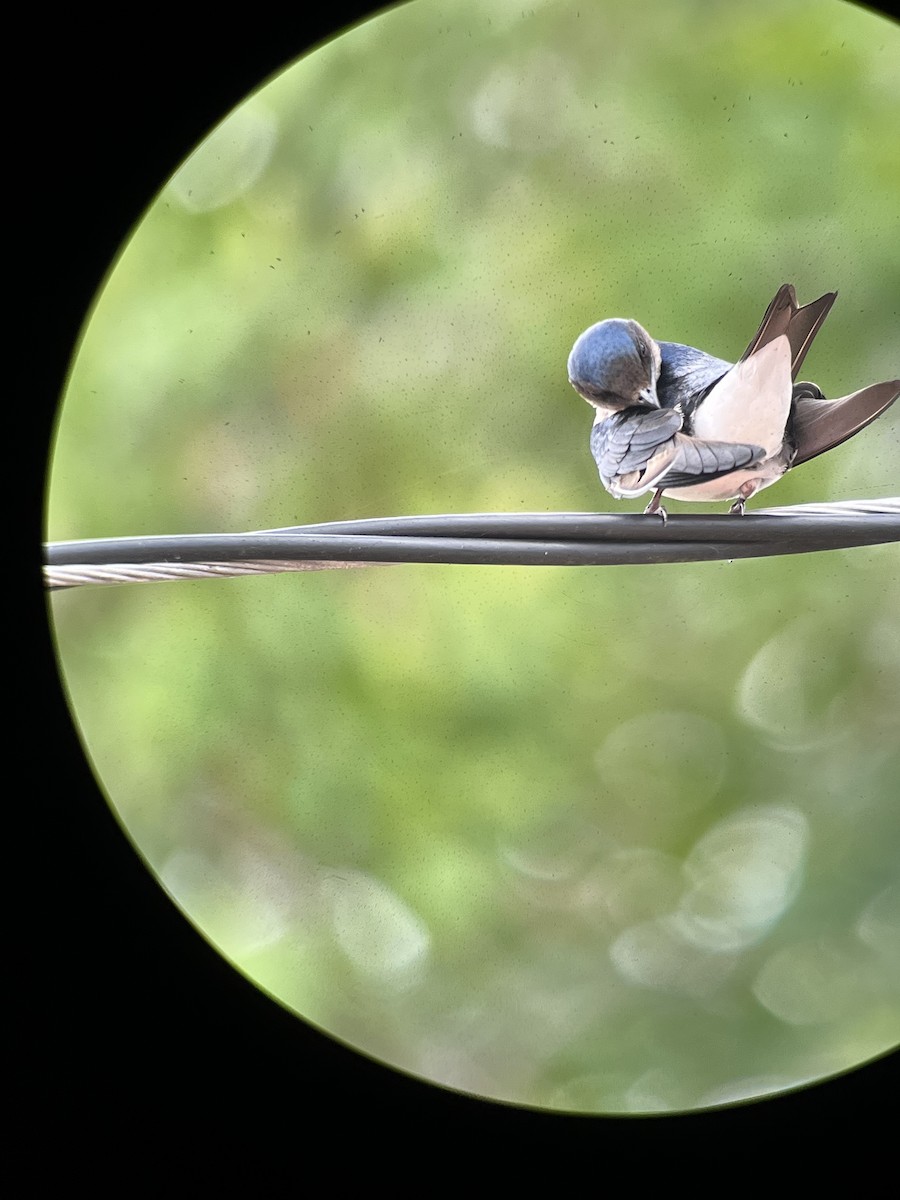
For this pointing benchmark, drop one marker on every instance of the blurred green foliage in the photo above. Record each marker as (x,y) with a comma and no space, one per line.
(619,839)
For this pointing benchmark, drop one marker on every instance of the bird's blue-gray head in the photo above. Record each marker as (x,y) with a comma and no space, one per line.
(615,364)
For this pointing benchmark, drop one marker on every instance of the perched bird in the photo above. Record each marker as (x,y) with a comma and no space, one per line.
(678,422)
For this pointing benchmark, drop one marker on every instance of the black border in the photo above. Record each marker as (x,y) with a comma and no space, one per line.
(130,1020)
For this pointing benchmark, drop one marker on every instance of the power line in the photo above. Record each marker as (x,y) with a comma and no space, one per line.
(489,539)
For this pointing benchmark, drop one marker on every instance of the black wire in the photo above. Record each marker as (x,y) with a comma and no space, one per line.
(625,527)
(527,539)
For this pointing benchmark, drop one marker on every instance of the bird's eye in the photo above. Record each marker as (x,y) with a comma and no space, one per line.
(642,349)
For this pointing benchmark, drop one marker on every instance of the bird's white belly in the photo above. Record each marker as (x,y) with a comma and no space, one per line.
(737,485)
(750,404)
(729,487)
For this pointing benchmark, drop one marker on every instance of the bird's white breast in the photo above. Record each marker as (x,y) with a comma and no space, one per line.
(752,402)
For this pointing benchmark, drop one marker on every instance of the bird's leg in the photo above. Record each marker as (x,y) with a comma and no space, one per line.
(655,507)
(737,509)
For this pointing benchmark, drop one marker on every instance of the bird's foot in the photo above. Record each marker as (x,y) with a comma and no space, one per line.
(737,509)
(654,507)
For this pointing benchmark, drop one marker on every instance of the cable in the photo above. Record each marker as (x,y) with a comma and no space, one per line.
(493,539)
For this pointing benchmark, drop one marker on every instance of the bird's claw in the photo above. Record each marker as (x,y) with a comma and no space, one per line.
(654,508)
(737,509)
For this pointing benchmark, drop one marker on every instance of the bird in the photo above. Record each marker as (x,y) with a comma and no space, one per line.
(678,422)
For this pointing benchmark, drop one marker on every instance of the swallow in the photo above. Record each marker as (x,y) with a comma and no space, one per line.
(679,422)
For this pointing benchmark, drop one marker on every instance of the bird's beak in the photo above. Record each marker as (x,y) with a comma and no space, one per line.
(648,395)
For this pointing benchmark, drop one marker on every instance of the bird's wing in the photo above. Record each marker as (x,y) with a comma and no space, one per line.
(820,425)
(694,460)
(638,447)
(625,442)
(784,317)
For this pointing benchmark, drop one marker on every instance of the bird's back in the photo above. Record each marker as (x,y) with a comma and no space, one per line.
(686,375)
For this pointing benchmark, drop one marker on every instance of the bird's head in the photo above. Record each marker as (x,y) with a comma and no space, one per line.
(615,364)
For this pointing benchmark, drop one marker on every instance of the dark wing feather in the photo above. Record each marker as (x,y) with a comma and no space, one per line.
(804,326)
(776,320)
(820,425)
(799,324)
(696,461)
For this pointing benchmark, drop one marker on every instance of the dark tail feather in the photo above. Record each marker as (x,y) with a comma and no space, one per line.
(804,326)
(820,424)
(785,317)
(776,321)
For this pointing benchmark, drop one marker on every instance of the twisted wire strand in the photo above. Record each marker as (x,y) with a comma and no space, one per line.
(57,578)
(494,539)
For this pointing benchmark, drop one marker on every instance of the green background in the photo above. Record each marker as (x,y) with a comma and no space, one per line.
(608,839)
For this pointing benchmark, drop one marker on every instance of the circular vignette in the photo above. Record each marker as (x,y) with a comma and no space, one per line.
(580,816)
